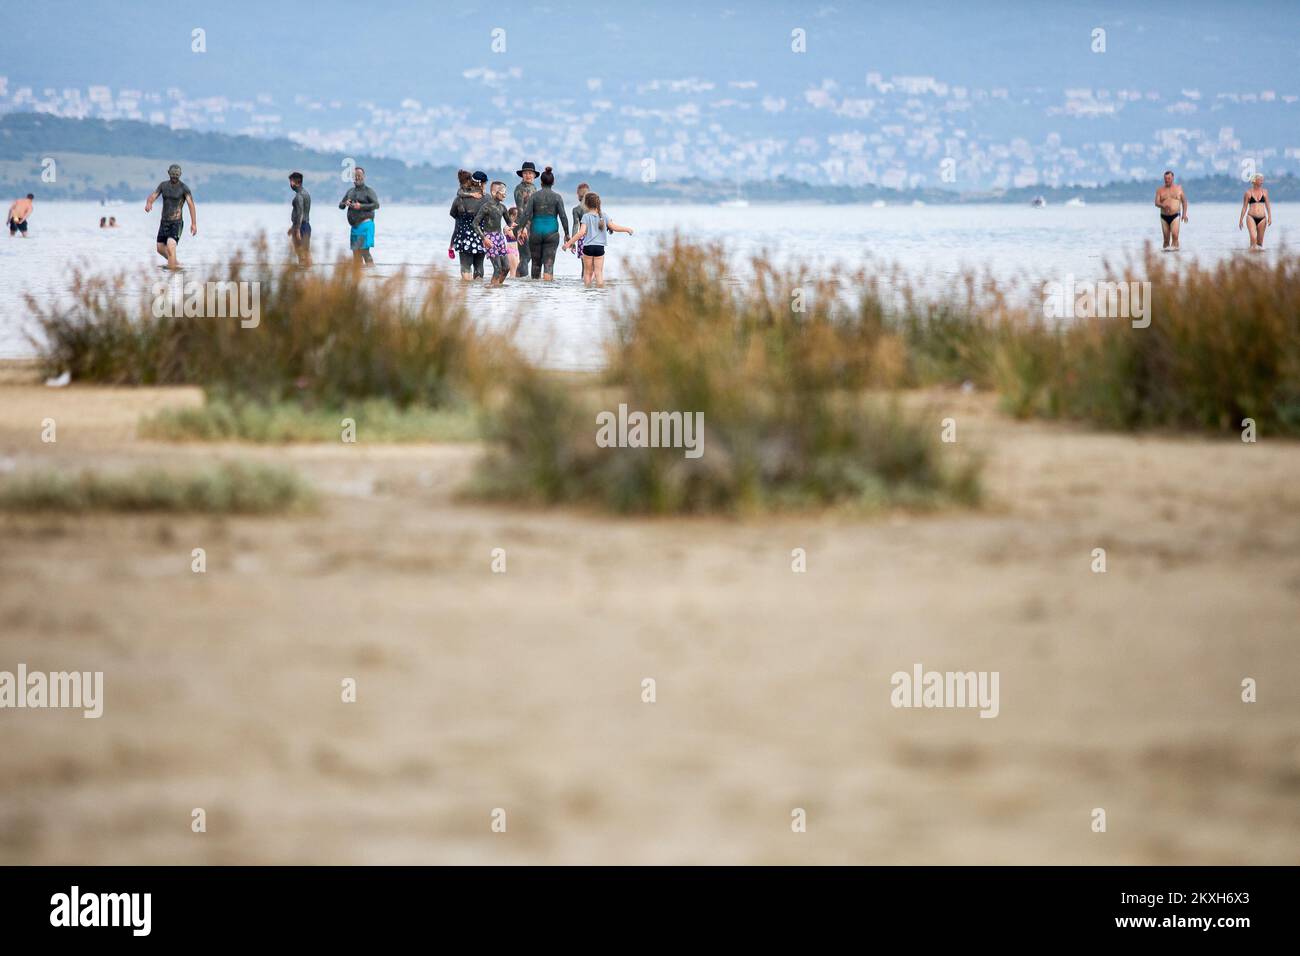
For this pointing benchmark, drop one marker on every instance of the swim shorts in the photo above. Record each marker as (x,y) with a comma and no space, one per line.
(170,229)
(17,226)
(594,251)
(362,235)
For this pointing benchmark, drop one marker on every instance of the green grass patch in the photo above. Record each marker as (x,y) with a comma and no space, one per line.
(230,488)
(376,420)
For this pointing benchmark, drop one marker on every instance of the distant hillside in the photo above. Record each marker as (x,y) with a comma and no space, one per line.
(97,159)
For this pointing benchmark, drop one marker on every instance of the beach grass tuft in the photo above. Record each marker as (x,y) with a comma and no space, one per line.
(787,420)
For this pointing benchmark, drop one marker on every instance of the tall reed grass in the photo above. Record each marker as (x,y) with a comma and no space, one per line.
(793,371)
(322,338)
(1223,345)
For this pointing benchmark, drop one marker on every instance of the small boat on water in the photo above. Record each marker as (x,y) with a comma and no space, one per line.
(1039,202)
(1075,202)
(740,202)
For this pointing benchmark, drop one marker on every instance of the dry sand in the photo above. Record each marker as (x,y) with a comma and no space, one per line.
(522,690)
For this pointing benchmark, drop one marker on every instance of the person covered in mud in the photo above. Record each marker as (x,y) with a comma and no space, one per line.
(175,196)
(488,223)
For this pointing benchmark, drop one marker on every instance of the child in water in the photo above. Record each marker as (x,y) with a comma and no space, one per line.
(578,211)
(512,241)
(488,222)
(594,234)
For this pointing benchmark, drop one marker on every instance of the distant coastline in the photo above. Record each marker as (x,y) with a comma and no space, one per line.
(98,160)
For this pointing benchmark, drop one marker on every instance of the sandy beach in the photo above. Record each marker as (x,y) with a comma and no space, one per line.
(523,690)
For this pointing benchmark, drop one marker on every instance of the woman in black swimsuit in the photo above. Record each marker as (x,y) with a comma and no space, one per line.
(465,239)
(1256,207)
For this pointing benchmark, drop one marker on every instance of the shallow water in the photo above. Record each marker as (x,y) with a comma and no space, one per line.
(564,324)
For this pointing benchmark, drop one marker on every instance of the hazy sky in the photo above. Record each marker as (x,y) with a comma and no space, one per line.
(700,88)
(415,48)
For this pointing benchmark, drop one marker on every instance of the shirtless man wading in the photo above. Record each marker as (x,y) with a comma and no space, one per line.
(19,213)
(175,196)
(1173,209)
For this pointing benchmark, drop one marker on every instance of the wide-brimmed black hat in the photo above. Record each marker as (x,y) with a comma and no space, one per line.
(528,168)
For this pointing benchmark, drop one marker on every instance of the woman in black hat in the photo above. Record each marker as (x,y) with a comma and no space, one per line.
(528,173)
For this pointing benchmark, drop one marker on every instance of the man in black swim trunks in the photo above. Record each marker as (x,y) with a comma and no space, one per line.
(175,195)
(1173,206)
(18,215)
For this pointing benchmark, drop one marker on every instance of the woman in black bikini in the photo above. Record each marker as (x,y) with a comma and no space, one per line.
(1260,218)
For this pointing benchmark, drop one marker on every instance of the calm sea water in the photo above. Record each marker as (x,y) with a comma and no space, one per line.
(564,324)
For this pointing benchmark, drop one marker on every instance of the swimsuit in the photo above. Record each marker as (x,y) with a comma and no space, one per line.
(1252,202)
(1168,219)
(170,229)
(522,192)
(362,235)
(300,215)
(465,238)
(578,212)
(542,217)
(173,196)
(597,226)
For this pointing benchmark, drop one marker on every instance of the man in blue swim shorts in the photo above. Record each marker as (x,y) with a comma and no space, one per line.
(361,202)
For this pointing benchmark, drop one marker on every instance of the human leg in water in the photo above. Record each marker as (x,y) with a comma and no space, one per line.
(543,252)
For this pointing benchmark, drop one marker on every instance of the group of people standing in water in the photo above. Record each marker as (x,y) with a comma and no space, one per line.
(523,239)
